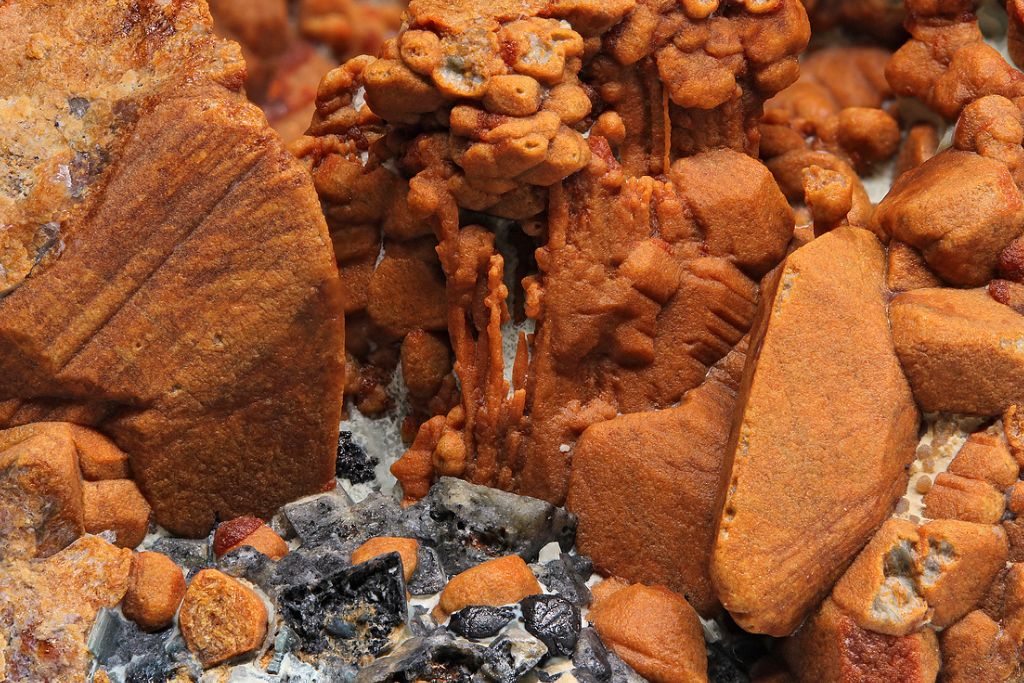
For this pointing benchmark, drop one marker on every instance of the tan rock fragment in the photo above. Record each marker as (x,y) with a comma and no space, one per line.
(221,618)
(501,581)
(907,269)
(959,560)
(831,647)
(382,545)
(879,590)
(925,209)
(41,508)
(976,650)
(653,630)
(645,486)
(116,505)
(1015,498)
(48,606)
(825,426)
(156,587)
(969,500)
(963,352)
(986,458)
(98,456)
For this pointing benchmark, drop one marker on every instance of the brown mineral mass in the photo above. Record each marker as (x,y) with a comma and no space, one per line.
(825,426)
(831,647)
(645,485)
(645,283)
(168,275)
(925,209)
(41,508)
(47,609)
(961,350)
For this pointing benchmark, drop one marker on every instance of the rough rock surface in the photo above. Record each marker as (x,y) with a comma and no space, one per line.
(41,509)
(825,426)
(221,618)
(963,352)
(470,523)
(659,528)
(116,505)
(831,647)
(47,608)
(653,630)
(129,308)
(907,577)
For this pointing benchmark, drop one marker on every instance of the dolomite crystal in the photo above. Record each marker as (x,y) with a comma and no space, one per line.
(824,428)
(137,178)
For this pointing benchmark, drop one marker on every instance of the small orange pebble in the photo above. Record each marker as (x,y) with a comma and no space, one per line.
(155,589)
(501,581)
(250,531)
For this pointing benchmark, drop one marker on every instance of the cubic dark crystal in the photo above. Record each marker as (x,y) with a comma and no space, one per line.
(591,655)
(428,578)
(567,576)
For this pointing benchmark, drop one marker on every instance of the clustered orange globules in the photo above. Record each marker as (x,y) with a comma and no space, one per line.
(651,167)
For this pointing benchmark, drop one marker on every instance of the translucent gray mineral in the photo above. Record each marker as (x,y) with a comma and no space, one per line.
(469,524)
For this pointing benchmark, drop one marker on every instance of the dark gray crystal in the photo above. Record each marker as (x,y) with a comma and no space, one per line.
(369,597)
(470,524)
(429,577)
(591,655)
(353,462)
(480,621)
(554,620)
(567,575)
(435,657)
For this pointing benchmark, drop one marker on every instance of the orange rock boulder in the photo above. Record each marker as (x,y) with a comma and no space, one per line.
(41,509)
(645,487)
(925,209)
(824,428)
(181,293)
(963,352)
(221,618)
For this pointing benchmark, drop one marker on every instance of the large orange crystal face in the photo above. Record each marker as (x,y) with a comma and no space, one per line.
(184,299)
